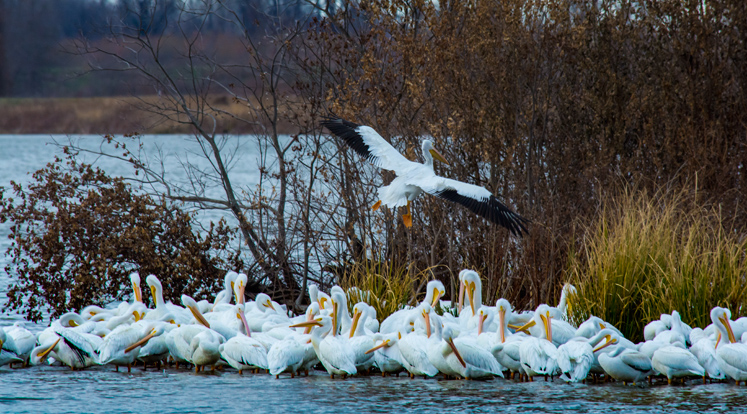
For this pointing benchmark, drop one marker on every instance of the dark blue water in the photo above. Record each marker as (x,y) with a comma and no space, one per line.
(56,389)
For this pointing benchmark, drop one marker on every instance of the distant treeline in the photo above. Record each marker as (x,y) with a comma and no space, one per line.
(36,58)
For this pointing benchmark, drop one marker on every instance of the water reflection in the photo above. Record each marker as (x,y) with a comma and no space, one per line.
(45,389)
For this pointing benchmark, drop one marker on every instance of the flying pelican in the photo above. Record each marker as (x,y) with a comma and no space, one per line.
(414,178)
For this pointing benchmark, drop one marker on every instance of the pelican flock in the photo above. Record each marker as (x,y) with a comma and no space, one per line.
(460,339)
(478,342)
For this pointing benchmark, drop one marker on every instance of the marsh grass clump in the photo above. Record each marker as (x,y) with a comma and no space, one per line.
(386,286)
(647,254)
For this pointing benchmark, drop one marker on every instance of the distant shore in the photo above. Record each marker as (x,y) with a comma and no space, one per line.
(104,115)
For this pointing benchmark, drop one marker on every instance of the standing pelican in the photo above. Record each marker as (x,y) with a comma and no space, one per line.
(332,351)
(731,355)
(675,361)
(242,351)
(414,178)
(625,364)
(122,345)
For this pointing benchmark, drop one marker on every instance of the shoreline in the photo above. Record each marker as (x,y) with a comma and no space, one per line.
(105,115)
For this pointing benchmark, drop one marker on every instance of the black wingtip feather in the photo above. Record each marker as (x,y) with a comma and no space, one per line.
(347,131)
(491,209)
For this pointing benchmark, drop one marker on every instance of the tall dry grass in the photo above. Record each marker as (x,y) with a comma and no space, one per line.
(648,254)
(386,286)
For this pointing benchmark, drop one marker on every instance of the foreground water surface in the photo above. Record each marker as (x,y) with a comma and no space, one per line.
(57,389)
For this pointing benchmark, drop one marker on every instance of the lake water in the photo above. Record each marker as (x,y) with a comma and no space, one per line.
(100,389)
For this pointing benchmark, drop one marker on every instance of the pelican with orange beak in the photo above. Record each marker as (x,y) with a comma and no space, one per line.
(332,351)
(732,354)
(414,178)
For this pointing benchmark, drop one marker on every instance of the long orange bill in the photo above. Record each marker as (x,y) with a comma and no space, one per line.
(480,323)
(141,342)
(48,350)
(436,297)
(608,343)
(427,323)
(525,326)
(307,324)
(501,324)
(244,322)
(729,331)
(354,325)
(456,352)
(437,155)
(138,293)
(381,345)
(201,319)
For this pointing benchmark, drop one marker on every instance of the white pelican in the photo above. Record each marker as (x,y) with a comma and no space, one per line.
(156,350)
(22,339)
(179,341)
(359,340)
(332,351)
(655,327)
(122,345)
(242,351)
(593,326)
(704,350)
(473,288)
(538,356)
(286,355)
(675,334)
(206,349)
(675,361)
(156,289)
(137,291)
(387,357)
(625,364)
(565,305)
(8,351)
(414,345)
(414,178)
(575,359)
(560,331)
(72,347)
(505,345)
(731,355)
(465,356)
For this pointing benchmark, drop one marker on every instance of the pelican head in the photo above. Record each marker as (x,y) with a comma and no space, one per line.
(239,286)
(135,280)
(155,288)
(504,309)
(264,302)
(544,313)
(190,303)
(430,153)
(472,284)
(434,291)
(721,317)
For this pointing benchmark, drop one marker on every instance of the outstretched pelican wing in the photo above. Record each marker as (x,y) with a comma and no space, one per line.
(478,199)
(367,143)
